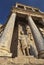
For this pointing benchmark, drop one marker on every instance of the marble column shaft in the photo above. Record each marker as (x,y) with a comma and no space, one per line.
(37,36)
(5,41)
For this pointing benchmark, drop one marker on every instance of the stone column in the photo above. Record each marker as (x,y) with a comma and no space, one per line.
(39,41)
(5,41)
(42,21)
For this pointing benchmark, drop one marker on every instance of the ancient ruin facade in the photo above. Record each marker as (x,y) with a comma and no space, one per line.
(22,37)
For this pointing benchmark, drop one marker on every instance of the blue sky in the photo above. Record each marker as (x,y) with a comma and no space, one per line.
(5,7)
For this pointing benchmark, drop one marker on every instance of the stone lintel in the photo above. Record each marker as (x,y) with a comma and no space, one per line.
(26,12)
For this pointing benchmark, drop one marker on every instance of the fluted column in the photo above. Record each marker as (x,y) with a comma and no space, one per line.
(37,37)
(6,38)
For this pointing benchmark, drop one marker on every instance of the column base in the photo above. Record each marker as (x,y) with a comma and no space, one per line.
(41,55)
(5,53)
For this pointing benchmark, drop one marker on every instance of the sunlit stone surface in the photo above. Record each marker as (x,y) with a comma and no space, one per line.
(17,42)
(5,41)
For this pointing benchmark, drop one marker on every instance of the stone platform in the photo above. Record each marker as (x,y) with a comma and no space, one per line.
(24,60)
